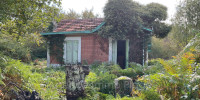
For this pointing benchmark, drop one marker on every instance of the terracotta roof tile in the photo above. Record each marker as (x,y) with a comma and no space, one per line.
(78,25)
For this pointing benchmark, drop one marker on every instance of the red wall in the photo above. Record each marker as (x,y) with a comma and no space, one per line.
(93,48)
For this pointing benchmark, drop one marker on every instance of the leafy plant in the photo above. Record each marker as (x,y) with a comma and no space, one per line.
(175,82)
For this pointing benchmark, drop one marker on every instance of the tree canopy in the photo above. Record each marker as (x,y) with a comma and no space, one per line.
(186,22)
(21,21)
(126,17)
(85,14)
(29,16)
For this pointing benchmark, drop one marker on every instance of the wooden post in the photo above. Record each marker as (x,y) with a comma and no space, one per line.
(75,81)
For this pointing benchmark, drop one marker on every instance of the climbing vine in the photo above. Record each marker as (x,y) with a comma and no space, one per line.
(55,44)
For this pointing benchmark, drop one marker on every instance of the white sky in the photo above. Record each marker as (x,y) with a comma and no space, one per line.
(97,5)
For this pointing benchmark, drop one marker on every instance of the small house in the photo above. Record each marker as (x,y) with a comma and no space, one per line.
(82,44)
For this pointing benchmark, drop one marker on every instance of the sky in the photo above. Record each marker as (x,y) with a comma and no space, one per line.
(97,5)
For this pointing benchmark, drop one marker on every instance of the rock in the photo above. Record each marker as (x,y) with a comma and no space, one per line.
(123,86)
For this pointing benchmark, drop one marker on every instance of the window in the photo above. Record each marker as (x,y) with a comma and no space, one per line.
(72,50)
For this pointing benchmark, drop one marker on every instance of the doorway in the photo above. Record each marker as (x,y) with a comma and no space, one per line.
(121,53)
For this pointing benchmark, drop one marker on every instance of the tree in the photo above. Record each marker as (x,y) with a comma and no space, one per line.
(29,15)
(88,14)
(120,17)
(71,14)
(125,17)
(186,22)
(21,21)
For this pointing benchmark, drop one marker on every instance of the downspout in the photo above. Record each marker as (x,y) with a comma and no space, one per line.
(48,54)
(143,53)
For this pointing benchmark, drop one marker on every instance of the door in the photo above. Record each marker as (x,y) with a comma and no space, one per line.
(120,52)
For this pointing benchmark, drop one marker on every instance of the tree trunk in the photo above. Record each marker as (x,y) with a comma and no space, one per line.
(75,81)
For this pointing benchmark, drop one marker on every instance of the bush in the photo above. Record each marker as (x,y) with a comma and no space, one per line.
(179,79)
(104,67)
(129,72)
(150,94)
(105,83)
(49,82)
(154,66)
(139,69)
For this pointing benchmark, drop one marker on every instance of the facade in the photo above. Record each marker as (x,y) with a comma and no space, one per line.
(82,44)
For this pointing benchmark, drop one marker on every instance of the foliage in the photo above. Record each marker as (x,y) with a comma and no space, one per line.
(20,24)
(154,66)
(177,81)
(104,82)
(126,18)
(85,14)
(150,94)
(55,43)
(103,67)
(163,48)
(18,48)
(120,16)
(193,45)
(71,14)
(139,69)
(186,22)
(49,82)
(161,29)
(154,11)
(92,94)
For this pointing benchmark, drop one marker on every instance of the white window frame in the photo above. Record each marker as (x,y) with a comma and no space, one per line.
(79,47)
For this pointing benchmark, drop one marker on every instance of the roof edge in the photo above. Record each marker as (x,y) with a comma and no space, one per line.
(84,32)
(76,32)
(150,30)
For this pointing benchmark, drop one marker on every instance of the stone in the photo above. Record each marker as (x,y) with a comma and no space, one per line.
(123,86)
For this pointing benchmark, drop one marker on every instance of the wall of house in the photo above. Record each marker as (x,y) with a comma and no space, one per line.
(93,48)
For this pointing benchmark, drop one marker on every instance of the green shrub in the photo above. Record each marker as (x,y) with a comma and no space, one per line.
(104,67)
(129,72)
(163,48)
(154,66)
(104,82)
(150,94)
(178,80)
(139,69)
(48,82)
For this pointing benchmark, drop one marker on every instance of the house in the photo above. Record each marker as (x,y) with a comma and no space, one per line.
(83,44)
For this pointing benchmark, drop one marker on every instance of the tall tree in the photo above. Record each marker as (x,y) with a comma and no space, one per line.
(186,22)
(71,14)
(29,16)
(21,21)
(125,17)
(120,17)
(88,14)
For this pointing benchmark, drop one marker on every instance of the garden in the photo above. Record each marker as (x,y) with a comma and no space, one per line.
(172,71)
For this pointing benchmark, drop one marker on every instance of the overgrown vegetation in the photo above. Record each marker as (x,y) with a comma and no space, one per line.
(177,78)
(17,77)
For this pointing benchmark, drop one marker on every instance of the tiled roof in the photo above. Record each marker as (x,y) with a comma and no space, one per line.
(78,25)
